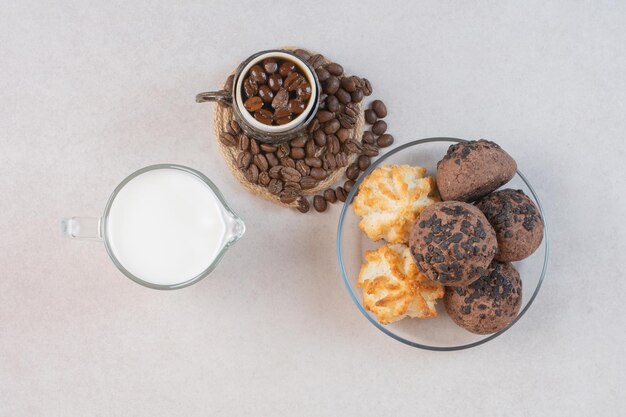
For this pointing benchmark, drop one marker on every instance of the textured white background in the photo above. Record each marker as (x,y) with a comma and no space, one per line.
(91,92)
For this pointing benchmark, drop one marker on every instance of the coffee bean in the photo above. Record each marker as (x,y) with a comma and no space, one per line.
(316,61)
(302,54)
(359,82)
(297,153)
(380,108)
(331,126)
(330,161)
(322,74)
(275,186)
(320,138)
(347,186)
(342,159)
(282,113)
(275,82)
(334,68)
(274,171)
(370,116)
(244,160)
(343,96)
(290,174)
(286,68)
(235,126)
(330,195)
(313,126)
(291,81)
(303,204)
(303,91)
(253,104)
(310,148)
(244,142)
(287,162)
(318,173)
(296,106)
(228,84)
(369,150)
(264,116)
(352,146)
(368,137)
(363,162)
(352,109)
(268,147)
(333,144)
(323,116)
(343,134)
(352,172)
(257,74)
(379,127)
(252,174)
(230,130)
(331,85)
(280,101)
(385,140)
(298,142)
(341,194)
(319,203)
(294,186)
(347,121)
(266,93)
(228,139)
(367,87)
(313,162)
(270,65)
(288,196)
(254,147)
(348,84)
(261,162)
(357,96)
(332,104)
(308,182)
(271,159)
(283,150)
(250,87)
(303,168)
(264,179)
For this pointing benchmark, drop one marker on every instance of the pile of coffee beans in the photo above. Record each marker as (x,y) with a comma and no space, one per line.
(275,91)
(287,169)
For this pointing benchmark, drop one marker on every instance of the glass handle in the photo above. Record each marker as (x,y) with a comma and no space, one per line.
(221,95)
(84,228)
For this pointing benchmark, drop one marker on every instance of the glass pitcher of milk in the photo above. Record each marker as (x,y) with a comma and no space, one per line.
(165,226)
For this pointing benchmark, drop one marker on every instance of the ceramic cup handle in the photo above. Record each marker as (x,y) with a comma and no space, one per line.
(221,95)
(85,228)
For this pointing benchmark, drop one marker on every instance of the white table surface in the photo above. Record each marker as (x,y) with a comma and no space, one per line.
(92,92)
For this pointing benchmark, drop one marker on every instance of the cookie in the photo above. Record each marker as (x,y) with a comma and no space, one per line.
(490,303)
(470,170)
(453,243)
(517,222)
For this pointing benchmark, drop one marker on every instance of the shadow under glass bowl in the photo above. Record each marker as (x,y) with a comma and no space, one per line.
(439,333)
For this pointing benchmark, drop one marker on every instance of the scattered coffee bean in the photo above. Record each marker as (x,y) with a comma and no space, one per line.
(333,144)
(332,103)
(308,182)
(264,179)
(330,162)
(254,147)
(313,162)
(288,196)
(352,146)
(363,162)
(368,137)
(272,159)
(357,96)
(253,174)
(319,203)
(369,150)
(322,74)
(352,172)
(293,186)
(303,205)
(228,139)
(268,147)
(297,153)
(303,168)
(310,148)
(334,69)
(331,85)
(274,172)
(288,162)
(341,194)
(330,195)
(318,173)
(347,186)
(370,116)
(235,126)
(385,140)
(331,126)
(302,54)
(367,87)
(275,186)
(324,116)
(290,174)
(343,96)
(380,108)
(261,162)
(245,161)
(320,138)
(316,61)
(379,127)
(283,150)
(342,159)
(348,84)
(298,142)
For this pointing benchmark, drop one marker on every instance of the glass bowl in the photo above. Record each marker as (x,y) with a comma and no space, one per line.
(439,333)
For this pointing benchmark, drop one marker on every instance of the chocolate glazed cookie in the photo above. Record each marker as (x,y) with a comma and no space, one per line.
(473,169)
(490,303)
(517,222)
(453,243)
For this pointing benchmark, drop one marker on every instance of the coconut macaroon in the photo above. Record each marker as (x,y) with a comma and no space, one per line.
(389,200)
(393,287)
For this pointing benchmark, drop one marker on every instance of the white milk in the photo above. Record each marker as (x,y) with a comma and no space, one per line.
(165,226)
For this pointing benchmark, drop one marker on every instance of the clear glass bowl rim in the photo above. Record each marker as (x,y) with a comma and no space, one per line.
(354,296)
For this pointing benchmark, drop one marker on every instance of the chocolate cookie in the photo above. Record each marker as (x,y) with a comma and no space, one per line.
(489,304)
(473,169)
(453,243)
(517,222)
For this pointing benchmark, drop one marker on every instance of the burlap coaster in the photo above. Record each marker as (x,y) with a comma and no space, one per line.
(222,117)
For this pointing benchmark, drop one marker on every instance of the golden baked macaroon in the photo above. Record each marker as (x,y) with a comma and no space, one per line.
(389,200)
(393,287)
